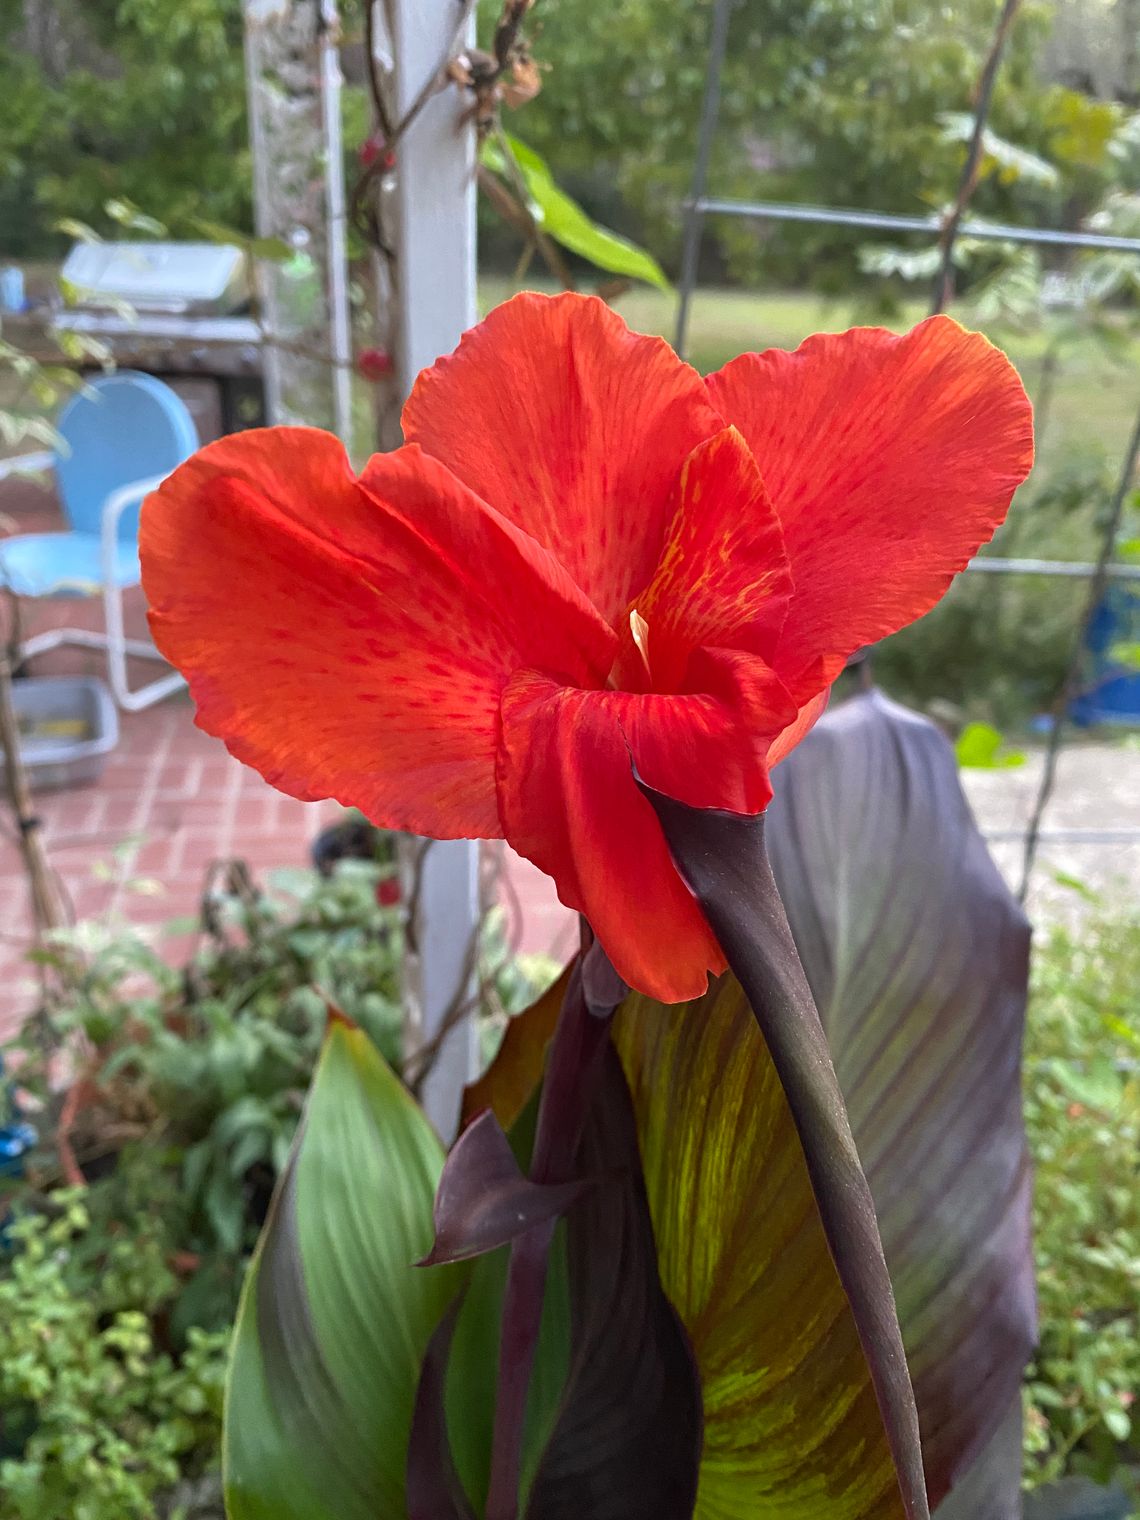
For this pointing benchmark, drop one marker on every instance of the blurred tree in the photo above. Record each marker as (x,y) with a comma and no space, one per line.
(838,101)
(844,102)
(142,100)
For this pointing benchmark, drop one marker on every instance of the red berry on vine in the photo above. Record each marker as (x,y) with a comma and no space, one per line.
(373,148)
(375,364)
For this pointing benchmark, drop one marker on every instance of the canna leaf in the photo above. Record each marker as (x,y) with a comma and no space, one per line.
(792,1428)
(917,956)
(792,1424)
(483,1200)
(473,1367)
(561,217)
(334,1319)
(723,858)
(627,1438)
(435,1489)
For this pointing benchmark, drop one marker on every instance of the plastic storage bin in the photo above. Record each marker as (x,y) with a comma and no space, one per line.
(68,726)
(1113,693)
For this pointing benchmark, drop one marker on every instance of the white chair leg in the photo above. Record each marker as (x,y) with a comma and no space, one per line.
(118,647)
(56,638)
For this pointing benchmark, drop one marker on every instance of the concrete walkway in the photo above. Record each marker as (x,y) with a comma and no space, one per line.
(1098,791)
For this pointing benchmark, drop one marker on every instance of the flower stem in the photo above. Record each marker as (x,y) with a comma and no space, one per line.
(522,1316)
(575,1059)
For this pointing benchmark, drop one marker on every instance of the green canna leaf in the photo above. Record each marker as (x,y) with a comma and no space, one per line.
(334,1319)
(561,217)
(792,1427)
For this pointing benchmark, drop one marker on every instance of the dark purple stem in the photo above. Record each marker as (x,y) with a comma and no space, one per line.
(572,1068)
(522,1316)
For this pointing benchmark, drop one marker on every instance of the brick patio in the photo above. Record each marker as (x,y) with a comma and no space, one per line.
(136,846)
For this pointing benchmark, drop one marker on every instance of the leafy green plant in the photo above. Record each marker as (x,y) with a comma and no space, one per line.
(980,746)
(364,1172)
(117,1298)
(1082,1107)
(125,100)
(210,1060)
(197,1073)
(97,1416)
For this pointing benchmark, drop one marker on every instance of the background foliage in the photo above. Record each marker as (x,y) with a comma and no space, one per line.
(116,1301)
(114,1306)
(1083,1117)
(848,102)
(132,99)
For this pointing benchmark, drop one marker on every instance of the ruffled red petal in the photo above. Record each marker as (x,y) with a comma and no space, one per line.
(889,460)
(573,427)
(723,578)
(569,802)
(352,640)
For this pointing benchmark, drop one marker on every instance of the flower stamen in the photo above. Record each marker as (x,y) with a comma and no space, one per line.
(639,630)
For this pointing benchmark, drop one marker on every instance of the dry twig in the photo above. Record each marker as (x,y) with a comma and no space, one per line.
(970,169)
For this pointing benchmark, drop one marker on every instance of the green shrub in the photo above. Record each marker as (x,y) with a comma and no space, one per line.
(1083,1116)
(97,1418)
(204,1067)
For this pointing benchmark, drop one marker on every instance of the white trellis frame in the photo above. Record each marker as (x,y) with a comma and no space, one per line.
(294,79)
(435,273)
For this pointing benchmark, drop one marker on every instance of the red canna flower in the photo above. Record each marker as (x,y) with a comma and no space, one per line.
(586,555)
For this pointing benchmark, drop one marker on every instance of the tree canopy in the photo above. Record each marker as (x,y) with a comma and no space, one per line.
(137,100)
(842,102)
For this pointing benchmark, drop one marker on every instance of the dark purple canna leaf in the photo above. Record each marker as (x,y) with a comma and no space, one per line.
(484,1201)
(917,955)
(791,1425)
(723,858)
(626,1443)
(434,1489)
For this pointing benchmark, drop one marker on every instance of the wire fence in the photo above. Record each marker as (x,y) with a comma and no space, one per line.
(945,229)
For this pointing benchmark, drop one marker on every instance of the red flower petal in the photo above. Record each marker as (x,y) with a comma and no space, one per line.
(800,726)
(569,802)
(890,460)
(353,641)
(723,577)
(573,427)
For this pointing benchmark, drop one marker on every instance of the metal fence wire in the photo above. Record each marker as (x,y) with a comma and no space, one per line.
(945,229)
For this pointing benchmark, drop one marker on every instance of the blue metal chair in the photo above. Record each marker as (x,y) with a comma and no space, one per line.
(122,436)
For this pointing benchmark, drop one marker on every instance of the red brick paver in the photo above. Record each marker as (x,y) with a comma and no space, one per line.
(136,846)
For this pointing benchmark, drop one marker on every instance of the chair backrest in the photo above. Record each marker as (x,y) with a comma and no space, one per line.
(128,427)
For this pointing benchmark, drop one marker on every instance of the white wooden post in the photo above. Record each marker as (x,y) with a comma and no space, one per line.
(435,246)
